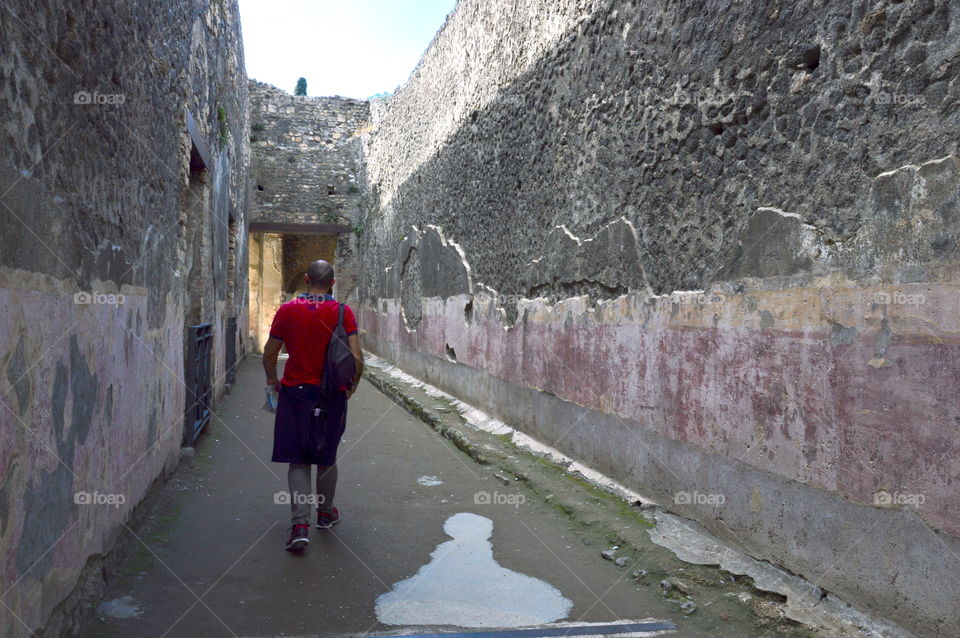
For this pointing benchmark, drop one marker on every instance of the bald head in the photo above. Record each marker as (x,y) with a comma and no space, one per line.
(320,275)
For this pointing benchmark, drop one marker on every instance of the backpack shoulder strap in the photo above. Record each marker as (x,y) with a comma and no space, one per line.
(340,318)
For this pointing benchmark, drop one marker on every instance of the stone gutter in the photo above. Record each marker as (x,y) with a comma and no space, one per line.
(465,426)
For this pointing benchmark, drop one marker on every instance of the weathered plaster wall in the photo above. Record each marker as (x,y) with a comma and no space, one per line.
(108,244)
(538,193)
(308,165)
(266,285)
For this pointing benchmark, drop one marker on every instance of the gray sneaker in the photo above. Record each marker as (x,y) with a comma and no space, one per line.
(326,520)
(299,538)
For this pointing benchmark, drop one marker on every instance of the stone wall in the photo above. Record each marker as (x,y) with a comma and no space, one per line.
(308,165)
(110,244)
(708,248)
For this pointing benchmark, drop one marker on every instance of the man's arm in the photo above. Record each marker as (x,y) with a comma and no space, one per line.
(271,352)
(354,341)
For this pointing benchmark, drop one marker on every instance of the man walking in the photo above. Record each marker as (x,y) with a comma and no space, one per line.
(310,418)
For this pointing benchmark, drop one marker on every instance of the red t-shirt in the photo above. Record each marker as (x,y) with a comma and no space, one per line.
(305,324)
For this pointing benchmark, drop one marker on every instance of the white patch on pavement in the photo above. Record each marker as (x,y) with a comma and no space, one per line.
(463,585)
(429,481)
(124,607)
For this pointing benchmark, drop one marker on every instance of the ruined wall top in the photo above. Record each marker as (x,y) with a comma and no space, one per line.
(307,160)
(482,48)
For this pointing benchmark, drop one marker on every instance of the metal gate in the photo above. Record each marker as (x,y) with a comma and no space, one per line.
(231,354)
(197,379)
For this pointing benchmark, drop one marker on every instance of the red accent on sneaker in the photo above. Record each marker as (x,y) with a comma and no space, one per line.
(326,520)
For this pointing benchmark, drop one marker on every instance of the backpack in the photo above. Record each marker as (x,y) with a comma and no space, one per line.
(339,367)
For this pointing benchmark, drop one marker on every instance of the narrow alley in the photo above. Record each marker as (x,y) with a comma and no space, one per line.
(209,560)
(652,311)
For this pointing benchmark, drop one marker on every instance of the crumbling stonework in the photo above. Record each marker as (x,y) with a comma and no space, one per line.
(308,167)
(307,156)
(118,228)
(705,249)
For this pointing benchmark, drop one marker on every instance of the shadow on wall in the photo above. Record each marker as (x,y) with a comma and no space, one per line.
(637,159)
(622,121)
(798,390)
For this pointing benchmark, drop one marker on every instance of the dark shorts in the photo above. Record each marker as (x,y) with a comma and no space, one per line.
(301,437)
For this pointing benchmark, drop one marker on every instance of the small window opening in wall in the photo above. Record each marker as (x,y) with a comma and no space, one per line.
(259,187)
(331,190)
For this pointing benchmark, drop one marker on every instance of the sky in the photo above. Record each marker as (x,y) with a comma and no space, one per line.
(353,48)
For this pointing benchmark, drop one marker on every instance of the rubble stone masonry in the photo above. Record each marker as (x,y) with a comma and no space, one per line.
(116,232)
(705,247)
(308,166)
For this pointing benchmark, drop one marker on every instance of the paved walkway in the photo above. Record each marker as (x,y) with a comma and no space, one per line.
(417,551)
(211,560)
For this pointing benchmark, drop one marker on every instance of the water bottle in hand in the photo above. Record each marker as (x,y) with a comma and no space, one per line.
(273,396)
